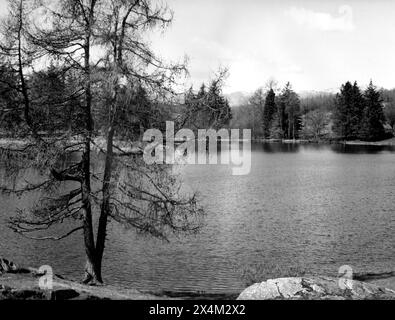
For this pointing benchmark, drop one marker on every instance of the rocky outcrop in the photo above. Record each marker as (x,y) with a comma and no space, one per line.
(315,288)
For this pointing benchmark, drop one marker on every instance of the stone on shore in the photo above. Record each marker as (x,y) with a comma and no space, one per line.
(7,266)
(315,288)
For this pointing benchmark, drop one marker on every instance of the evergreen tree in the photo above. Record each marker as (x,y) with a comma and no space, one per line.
(358,107)
(348,112)
(221,112)
(202,91)
(189,96)
(269,112)
(373,118)
(340,115)
(282,116)
(289,112)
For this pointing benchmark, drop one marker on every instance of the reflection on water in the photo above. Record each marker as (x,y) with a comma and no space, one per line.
(338,148)
(317,207)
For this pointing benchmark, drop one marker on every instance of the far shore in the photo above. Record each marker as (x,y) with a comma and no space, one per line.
(386,142)
(7,142)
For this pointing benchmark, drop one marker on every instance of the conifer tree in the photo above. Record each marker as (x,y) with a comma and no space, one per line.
(373,118)
(269,111)
(341,116)
(289,112)
(349,112)
(357,111)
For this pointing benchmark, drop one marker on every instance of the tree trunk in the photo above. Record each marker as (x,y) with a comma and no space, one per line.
(92,268)
(106,189)
(293,129)
(105,207)
(92,272)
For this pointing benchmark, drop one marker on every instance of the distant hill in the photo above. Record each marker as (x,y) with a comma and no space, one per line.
(240,98)
(314,93)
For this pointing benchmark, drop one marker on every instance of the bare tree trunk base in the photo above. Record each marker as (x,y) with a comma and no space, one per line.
(91,277)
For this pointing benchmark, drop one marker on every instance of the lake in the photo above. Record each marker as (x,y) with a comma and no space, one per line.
(310,207)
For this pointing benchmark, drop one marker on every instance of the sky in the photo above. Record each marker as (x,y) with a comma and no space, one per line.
(315,45)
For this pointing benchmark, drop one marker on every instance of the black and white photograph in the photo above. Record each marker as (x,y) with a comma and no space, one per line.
(197,150)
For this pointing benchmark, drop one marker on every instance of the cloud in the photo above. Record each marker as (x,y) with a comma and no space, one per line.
(323,21)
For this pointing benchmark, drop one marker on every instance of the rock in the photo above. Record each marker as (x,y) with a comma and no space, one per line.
(289,289)
(261,291)
(315,288)
(7,266)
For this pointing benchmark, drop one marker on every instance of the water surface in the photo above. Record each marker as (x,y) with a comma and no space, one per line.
(310,206)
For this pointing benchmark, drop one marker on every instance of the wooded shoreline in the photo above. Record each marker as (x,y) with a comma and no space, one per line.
(6,142)
(386,142)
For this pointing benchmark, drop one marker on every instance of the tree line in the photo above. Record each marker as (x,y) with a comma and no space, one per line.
(56,105)
(350,114)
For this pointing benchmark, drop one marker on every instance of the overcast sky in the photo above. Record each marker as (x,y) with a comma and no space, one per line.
(316,45)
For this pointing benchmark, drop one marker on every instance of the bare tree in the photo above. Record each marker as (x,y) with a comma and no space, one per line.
(257,103)
(389,112)
(126,190)
(314,123)
(272,84)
